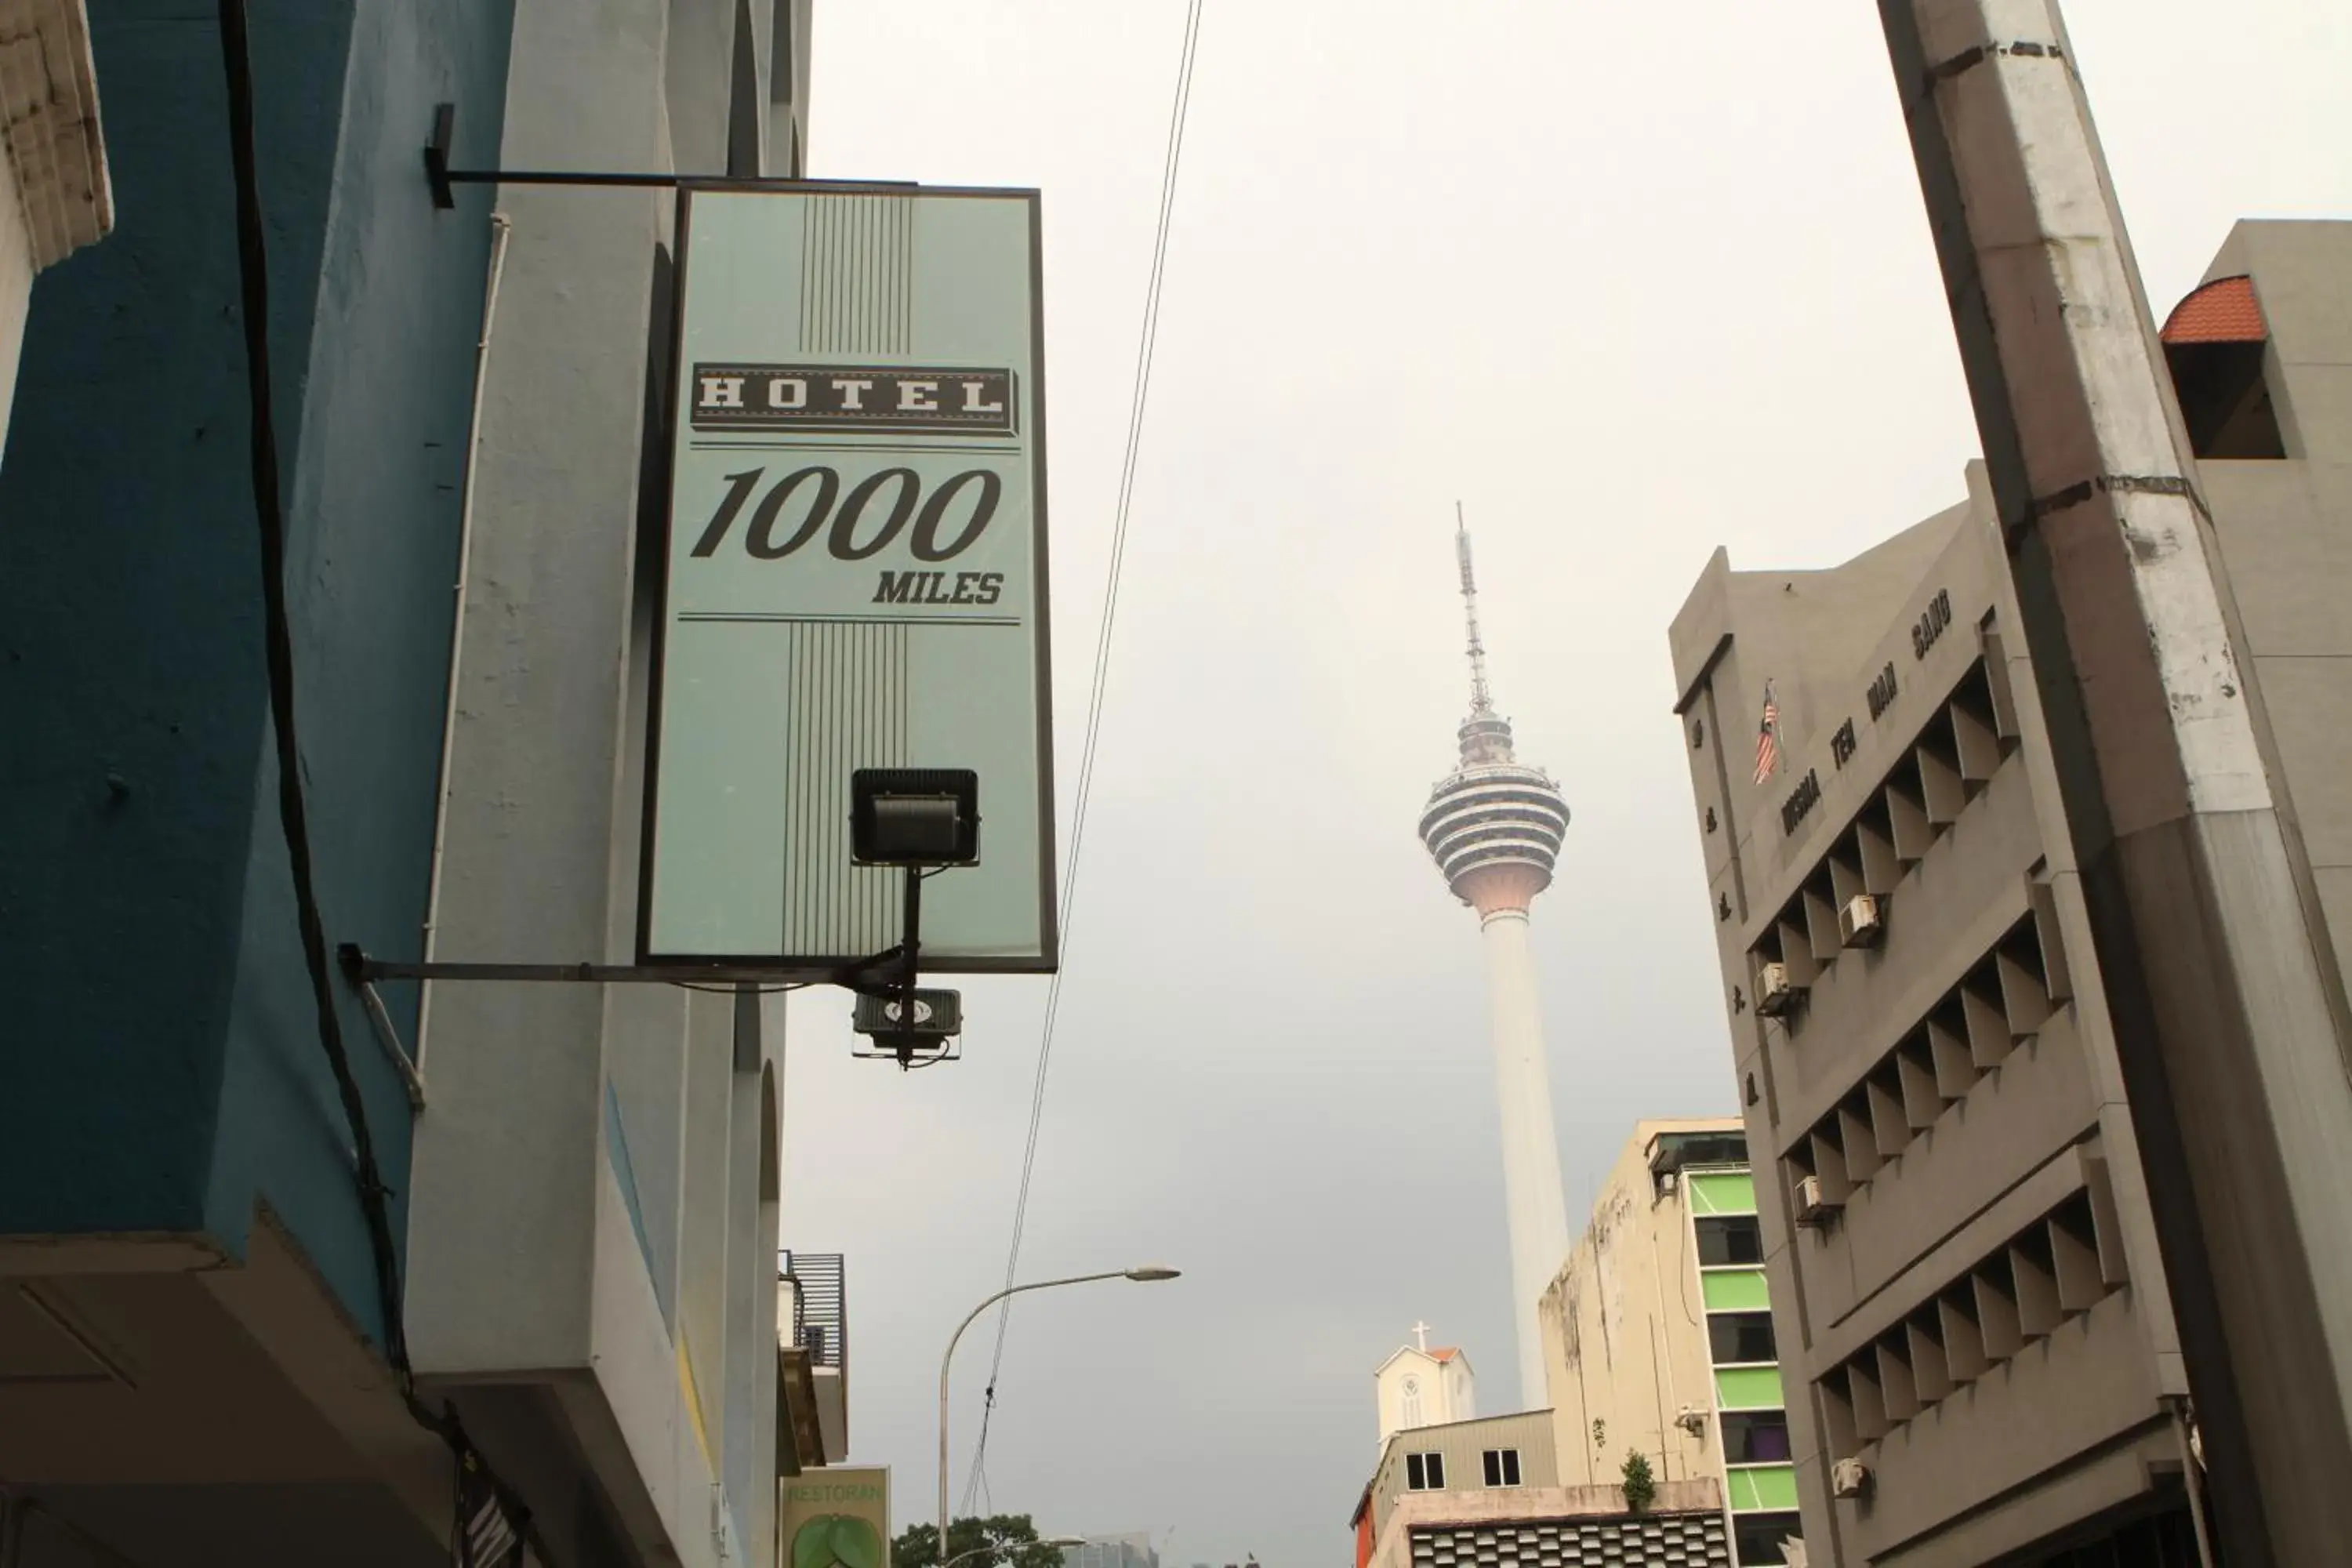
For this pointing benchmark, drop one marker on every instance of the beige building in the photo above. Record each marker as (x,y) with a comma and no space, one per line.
(54,194)
(1657,1334)
(1971,1311)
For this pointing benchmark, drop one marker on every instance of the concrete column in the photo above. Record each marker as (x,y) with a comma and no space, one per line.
(1531,1184)
(2229,1013)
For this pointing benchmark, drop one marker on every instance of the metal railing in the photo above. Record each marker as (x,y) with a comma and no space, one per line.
(820,1311)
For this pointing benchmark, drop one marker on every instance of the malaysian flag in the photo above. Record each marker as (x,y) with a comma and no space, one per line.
(1767,738)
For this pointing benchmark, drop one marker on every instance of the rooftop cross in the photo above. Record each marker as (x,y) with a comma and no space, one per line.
(1421,1337)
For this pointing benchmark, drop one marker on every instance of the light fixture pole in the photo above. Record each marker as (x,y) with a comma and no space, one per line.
(1146,1275)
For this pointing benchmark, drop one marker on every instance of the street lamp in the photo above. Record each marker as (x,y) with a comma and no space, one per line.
(1147,1274)
(1060,1543)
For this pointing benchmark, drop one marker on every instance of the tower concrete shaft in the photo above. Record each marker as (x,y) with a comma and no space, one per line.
(1537,1207)
(1495,826)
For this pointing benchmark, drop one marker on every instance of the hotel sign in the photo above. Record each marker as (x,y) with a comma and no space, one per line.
(853,574)
(852,397)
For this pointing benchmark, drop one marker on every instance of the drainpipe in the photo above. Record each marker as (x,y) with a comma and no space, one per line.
(502,227)
(1665,1469)
(1663,1342)
(2192,1477)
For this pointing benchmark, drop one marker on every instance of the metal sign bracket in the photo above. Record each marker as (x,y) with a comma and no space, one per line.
(443,179)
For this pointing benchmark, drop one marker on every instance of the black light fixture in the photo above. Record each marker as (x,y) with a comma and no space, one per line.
(914,816)
(920,820)
(907,1025)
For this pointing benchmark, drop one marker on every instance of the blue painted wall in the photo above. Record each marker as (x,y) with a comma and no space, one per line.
(160,1066)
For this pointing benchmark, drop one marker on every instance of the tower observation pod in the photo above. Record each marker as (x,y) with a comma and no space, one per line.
(1495,826)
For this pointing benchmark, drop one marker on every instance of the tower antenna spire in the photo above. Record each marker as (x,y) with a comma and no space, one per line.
(1481,702)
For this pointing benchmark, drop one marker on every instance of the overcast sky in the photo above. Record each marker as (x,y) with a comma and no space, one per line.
(1627,287)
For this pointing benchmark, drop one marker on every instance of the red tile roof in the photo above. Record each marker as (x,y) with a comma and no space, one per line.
(2223,311)
(1444,1353)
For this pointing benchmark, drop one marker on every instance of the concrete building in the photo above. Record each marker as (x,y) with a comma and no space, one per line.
(1490,1490)
(222,1330)
(1658,1333)
(55,197)
(1967,1294)
(1130,1550)
(1494,825)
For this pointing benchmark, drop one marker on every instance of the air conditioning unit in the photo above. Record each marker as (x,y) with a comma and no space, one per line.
(1775,996)
(1814,1206)
(1848,1478)
(1860,924)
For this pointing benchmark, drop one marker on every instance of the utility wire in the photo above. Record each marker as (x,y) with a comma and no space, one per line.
(293,814)
(1172,162)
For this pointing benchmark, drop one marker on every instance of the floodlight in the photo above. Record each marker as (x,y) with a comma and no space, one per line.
(914,816)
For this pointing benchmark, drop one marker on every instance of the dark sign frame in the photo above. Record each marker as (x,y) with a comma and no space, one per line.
(822,967)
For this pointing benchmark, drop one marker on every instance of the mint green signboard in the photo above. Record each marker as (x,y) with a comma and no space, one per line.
(854,575)
(837,1517)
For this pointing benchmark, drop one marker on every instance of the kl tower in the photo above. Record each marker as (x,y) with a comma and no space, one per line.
(1495,826)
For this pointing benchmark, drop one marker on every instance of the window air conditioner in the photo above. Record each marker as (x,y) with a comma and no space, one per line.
(1775,997)
(1848,1478)
(1813,1206)
(1860,923)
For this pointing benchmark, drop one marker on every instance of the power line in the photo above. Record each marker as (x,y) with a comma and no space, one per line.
(1172,161)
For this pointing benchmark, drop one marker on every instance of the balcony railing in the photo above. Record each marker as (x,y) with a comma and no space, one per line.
(820,1314)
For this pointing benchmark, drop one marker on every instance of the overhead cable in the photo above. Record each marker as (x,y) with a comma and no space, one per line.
(1170,163)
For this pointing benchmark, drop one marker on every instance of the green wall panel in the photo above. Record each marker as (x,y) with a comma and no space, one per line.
(1748,1388)
(1756,1487)
(1734,1289)
(1723,1192)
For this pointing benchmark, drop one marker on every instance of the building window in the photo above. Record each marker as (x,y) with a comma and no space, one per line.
(1755,1436)
(1723,1239)
(1412,1408)
(1425,1472)
(1737,1337)
(1501,1467)
(1757,1538)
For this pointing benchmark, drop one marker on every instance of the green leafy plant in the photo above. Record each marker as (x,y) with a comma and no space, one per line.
(1640,1487)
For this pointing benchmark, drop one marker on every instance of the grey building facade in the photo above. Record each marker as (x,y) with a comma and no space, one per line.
(1972,1315)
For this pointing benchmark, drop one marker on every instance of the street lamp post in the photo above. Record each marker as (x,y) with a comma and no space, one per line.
(1146,1275)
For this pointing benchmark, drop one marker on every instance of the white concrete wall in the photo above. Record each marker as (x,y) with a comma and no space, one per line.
(1449,1390)
(588,1207)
